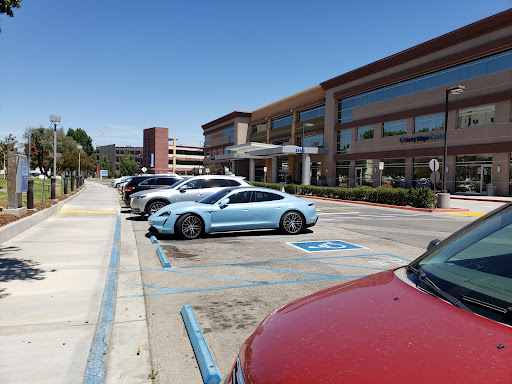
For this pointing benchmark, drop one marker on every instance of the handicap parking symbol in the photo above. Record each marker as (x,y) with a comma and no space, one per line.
(325,246)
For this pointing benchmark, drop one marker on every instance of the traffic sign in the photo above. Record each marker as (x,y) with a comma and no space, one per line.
(143,169)
(434,165)
(381,165)
(435,177)
(324,246)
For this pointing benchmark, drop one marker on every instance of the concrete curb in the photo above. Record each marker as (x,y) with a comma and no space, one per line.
(9,231)
(387,205)
(163,259)
(204,357)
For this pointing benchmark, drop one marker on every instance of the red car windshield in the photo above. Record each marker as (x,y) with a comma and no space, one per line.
(473,266)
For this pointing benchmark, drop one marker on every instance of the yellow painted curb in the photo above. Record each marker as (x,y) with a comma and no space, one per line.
(470,214)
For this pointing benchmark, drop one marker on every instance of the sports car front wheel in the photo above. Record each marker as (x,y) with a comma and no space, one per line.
(189,226)
(292,223)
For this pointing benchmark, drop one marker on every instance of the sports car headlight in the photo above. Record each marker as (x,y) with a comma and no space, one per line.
(140,197)
(166,213)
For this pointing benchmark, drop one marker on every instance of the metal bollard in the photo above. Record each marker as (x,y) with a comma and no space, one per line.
(30,194)
(65,185)
(72,183)
(77,182)
(52,189)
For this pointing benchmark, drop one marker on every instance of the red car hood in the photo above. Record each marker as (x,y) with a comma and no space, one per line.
(376,330)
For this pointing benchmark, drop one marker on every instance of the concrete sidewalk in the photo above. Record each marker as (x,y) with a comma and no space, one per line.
(52,285)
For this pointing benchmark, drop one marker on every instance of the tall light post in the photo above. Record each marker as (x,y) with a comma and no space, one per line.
(305,158)
(449,91)
(55,119)
(79,151)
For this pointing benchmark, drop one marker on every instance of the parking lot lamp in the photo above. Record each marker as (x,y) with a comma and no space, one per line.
(55,119)
(305,172)
(449,91)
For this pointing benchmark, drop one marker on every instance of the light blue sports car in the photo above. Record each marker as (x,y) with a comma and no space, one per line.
(234,209)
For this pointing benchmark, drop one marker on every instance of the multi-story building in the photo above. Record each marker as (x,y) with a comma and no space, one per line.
(162,154)
(115,154)
(384,122)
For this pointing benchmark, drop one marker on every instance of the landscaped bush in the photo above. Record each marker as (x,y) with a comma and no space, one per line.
(419,198)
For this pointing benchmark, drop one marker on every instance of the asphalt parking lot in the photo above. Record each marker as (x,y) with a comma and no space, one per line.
(233,280)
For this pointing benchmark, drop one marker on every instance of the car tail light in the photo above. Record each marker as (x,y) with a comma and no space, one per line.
(128,189)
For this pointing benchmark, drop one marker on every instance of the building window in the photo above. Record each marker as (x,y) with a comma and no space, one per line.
(364,173)
(473,173)
(485,66)
(312,141)
(342,173)
(421,173)
(393,174)
(510,176)
(229,132)
(312,113)
(394,128)
(429,123)
(283,121)
(260,127)
(365,132)
(472,117)
(207,137)
(344,141)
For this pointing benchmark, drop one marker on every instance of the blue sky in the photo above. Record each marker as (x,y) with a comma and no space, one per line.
(120,66)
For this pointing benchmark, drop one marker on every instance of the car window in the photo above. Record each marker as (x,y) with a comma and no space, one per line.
(165,181)
(216,183)
(259,196)
(240,197)
(234,183)
(148,182)
(194,184)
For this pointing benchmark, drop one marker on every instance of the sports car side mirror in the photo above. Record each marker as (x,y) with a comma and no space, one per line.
(183,188)
(224,202)
(432,244)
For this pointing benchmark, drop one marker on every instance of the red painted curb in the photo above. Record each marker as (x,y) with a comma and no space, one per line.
(388,206)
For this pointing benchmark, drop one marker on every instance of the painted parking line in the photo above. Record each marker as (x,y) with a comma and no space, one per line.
(325,246)
(381,262)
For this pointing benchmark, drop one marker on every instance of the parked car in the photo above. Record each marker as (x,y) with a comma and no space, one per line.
(194,189)
(233,209)
(146,182)
(444,318)
(119,180)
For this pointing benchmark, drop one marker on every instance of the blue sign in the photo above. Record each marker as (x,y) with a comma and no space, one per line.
(325,246)
(104,173)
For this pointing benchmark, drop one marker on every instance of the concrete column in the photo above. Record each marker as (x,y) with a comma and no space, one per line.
(306,169)
(274,169)
(233,168)
(252,170)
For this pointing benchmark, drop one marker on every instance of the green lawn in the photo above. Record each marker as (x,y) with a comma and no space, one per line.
(38,191)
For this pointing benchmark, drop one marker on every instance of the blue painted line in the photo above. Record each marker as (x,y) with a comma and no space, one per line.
(343,265)
(153,240)
(204,357)
(95,373)
(163,259)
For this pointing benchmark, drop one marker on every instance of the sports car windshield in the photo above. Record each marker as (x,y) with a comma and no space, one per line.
(474,266)
(212,199)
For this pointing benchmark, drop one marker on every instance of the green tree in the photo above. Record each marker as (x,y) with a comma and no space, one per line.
(70,162)
(6,145)
(82,138)
(105,164)
(215,169)
(42,145)
(128,165)
(7,5)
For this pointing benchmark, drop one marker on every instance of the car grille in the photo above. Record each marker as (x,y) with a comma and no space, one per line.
(237,376)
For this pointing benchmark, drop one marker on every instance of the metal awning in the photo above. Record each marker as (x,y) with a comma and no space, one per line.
(255,150)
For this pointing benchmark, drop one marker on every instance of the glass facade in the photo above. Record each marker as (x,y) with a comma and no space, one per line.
(312,141)
(312,113)
(342,173)
(364,173)
(283,121)
(344,141)
(487,65)
(394,128)
(230,132)
(510,176)
(365,132)
(473,173)
(393,174)
(421,173)
(429,123)
(259,127)
(475,116)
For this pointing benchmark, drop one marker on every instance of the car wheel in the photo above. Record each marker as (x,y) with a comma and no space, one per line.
(155,206)
(292,223)
(189,226)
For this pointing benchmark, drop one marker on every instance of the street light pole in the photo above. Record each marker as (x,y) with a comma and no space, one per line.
(54,119)
(449,91)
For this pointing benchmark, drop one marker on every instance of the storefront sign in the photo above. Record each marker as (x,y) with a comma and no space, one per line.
(420,139)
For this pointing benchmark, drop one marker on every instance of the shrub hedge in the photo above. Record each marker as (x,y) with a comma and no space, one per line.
(414,197)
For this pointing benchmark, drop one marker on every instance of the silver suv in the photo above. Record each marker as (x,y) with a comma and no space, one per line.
(193,189)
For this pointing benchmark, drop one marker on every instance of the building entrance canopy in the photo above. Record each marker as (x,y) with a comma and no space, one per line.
(264,151)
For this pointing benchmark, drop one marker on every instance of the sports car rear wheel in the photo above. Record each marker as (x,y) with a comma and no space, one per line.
(292,223)
(189,226)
